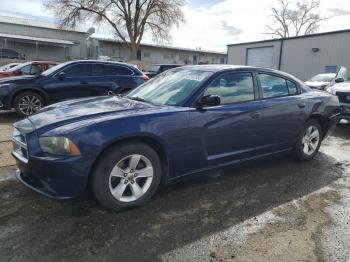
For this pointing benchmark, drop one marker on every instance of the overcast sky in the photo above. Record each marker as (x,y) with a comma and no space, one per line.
(210,24)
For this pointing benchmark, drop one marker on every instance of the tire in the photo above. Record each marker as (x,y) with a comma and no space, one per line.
(115,186)
(308,144)
(35,101)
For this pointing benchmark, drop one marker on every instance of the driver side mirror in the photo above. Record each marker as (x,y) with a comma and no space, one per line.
(339,80)
(61,76)
(209,100)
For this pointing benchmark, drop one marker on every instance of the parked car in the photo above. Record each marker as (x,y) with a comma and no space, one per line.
(4,68)
(184,121)
(159,68)
(11,54)
(28,94)
(342,90)
(323,81)
(320,81)
(29,68)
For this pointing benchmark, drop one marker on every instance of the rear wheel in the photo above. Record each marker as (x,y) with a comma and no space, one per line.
(126,176)
(309,140)
(28,103)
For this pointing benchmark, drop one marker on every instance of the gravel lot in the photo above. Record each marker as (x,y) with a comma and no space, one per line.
(275,209)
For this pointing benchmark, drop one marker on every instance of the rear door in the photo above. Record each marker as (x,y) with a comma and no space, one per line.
(228,132)
(284,110)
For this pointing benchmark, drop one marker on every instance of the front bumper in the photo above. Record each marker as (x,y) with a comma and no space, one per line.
(53,177)
(345,111)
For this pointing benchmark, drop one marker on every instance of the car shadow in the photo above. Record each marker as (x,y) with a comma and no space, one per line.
(36,227)
(8,117)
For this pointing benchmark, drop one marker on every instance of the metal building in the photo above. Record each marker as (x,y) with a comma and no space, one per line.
(41,40)
(302,56)
(151,54)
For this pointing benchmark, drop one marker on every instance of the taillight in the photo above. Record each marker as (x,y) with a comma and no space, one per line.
(144,77)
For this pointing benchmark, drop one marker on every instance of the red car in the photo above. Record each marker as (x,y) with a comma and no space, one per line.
(29,68)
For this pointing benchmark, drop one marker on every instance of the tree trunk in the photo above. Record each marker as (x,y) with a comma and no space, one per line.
(133,50)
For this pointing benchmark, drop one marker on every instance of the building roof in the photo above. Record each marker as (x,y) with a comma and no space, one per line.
(166,47)
(294,37)
(34,23)
(31,39)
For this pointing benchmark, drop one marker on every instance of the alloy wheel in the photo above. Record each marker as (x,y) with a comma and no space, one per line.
(310,140)
(29,104)
(131,177)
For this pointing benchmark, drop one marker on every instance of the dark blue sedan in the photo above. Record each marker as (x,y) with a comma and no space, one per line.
(184,121)
(28,94)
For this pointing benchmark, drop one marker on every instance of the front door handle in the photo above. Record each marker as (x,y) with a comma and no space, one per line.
(301,105)
(255,115)
(83,82)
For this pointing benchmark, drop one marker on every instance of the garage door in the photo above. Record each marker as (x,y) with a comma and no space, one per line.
(261,57)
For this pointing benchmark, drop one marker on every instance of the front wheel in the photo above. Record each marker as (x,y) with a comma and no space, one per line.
(309,140)
(126,176)
(28,103)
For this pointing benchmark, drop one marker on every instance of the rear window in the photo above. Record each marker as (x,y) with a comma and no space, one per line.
(110,70)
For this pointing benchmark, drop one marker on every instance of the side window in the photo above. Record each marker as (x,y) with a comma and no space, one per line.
(292,88)
(26,69)
(36,69)
(78,70)
(232,87)
(273,86)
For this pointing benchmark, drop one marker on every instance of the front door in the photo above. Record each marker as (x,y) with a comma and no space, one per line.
(228,132)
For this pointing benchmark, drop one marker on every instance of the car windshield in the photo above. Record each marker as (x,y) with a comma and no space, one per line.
(172,87)
(18,67)
(153,68)
(53,69)
(323,78)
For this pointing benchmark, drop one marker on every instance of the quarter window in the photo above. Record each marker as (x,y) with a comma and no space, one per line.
(232,87)
(274,86)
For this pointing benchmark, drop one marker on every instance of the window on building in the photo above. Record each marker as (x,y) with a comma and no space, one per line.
(330,69)
(146,54)
(232,87)
(184,57)
(168,56)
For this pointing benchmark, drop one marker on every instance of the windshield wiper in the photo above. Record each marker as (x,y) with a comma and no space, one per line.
(136,98)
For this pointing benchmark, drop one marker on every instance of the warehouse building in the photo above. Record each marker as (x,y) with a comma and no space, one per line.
(41,40)
(302,56)
(153,54)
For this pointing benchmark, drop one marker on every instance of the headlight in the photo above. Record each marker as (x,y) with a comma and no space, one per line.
(331,90)
(58,146)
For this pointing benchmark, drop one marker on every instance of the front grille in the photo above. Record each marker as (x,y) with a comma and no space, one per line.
(20,149)
(344,97)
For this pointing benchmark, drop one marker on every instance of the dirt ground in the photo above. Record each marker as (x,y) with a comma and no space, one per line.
(275,209)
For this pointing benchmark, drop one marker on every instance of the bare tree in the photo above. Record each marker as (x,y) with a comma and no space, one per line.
(130,19)
(289,20)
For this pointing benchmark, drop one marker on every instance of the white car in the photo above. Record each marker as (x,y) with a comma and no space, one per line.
(342,90)
(320,81)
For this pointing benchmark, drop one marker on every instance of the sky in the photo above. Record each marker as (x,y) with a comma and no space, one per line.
(210,24)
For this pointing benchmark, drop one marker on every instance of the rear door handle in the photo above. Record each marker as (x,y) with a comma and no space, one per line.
(301,105)
(255,115)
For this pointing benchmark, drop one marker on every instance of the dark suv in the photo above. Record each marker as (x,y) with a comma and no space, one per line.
(28,94)
(11,54)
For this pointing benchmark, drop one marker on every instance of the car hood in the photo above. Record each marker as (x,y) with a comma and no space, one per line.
(316,83)
(343,87)
(85,108)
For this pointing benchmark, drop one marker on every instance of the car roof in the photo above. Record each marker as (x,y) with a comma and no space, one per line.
(101,61)
(44,62)
(167,64)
